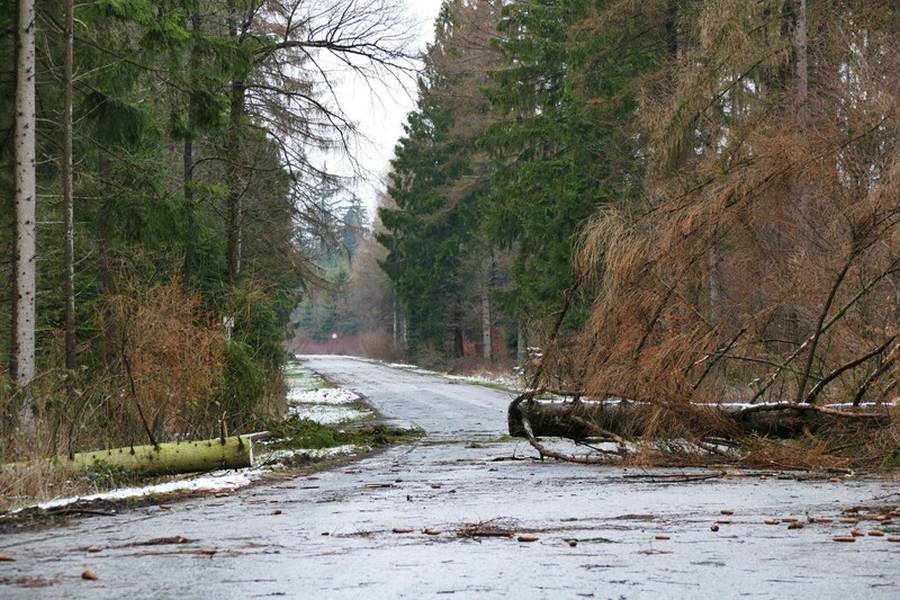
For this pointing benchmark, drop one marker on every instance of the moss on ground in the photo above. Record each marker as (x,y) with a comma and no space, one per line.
(295,432)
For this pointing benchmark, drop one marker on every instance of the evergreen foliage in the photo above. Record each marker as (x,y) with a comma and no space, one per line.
(184,110)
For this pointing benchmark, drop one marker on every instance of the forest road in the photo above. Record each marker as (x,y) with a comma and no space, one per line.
(339,533)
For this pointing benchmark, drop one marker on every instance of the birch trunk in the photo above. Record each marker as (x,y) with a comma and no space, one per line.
(25,199)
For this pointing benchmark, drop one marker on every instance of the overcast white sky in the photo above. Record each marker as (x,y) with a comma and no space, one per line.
(381,113)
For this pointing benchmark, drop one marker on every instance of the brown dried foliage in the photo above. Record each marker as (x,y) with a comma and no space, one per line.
(766,256)
(172,356)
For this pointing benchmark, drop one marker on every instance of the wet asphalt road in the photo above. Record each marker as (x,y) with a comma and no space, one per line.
(333,537)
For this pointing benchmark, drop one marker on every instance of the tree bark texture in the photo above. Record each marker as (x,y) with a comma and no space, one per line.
(163,459)
(630,420)
(23,358)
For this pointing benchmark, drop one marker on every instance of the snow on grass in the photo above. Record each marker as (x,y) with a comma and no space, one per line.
(304,380)
(511,381)
(216,481)
(308,397)
(321,396)
(326,414)
(281,456)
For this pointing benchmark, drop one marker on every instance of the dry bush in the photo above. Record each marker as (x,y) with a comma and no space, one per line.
(39,481)
(60,421)
(764,263)
(172,356)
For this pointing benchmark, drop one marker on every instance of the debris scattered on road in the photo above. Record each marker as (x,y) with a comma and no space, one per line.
(161,541)
(493,528)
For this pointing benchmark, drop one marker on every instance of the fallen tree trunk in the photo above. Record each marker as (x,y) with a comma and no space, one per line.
(162,459)
(579,420)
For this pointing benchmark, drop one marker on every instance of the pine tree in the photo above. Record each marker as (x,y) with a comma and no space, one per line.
(23,354)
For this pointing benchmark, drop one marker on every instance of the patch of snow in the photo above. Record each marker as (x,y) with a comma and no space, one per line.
(217,481)
(512,381)
(306,398)
(509,381)
(213,482)
(278,456)
(328,414)
(322,396)
(324,405)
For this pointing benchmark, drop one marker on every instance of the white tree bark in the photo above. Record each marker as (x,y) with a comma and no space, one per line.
(25,199)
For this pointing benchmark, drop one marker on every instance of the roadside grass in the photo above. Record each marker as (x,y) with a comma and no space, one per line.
(41,480)
(301,379)
(298,433)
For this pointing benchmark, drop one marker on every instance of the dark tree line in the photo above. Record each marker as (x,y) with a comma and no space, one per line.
(706,189)
(160,189)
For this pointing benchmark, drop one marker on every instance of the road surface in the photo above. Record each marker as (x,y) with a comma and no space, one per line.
(334,535)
